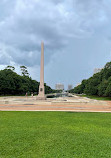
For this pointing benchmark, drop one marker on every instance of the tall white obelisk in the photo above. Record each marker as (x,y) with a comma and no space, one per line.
(41,95)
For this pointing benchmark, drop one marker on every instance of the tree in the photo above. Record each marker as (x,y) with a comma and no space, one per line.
(13,84)
(24,71)
(102,88)
(10,67)
(108,90)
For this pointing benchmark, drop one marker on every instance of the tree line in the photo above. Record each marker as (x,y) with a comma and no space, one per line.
(12,83)
(99,84)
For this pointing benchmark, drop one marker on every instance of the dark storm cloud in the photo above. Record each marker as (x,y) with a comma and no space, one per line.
(24,24)
(28,24)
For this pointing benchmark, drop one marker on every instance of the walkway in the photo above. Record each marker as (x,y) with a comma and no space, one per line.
(73,104)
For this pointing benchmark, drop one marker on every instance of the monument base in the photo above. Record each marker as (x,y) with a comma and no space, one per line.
(41,97)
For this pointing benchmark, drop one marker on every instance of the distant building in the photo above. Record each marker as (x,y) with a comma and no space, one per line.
(96,70)
(59,86)
(70,87)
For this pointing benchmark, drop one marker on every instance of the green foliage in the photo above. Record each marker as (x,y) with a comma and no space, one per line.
(10,67)
(80,88)
(24,71)
(48,89)
(108,90)
(96,97)
(102,88)
(99,84)
(55,135)
(13,84)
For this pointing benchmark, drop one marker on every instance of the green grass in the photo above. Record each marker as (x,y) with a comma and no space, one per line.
(96,97)
(55,135)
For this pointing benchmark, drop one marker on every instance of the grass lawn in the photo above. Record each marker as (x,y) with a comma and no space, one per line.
(96,97)
(55,135)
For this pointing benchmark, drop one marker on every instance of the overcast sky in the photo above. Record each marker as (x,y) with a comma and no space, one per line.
(76,35)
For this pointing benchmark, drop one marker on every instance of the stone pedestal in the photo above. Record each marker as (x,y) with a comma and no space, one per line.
(41,98)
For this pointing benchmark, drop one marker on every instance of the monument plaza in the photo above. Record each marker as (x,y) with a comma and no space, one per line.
(74,104)
(43,102)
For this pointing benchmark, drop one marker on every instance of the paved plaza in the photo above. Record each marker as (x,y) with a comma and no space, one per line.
(74,104)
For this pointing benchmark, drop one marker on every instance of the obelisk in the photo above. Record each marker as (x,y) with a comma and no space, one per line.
(41,95)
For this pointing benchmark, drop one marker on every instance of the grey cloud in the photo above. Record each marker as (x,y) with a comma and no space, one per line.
(24,32)
(53,21)
(4,60)
(6,8)
(88,6)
